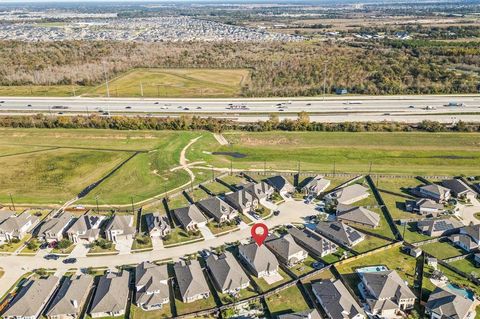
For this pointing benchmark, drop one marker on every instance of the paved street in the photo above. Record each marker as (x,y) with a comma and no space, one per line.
(15,266)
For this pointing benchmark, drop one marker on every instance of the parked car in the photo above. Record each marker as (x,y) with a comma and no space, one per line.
(70,260)
(51,257)
(44,246)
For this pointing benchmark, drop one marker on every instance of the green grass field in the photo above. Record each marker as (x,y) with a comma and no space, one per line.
(286,301)
(181,83)
(403,153)
(44,90)
(442,250)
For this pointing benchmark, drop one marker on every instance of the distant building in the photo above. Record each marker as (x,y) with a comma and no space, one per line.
(357,216)
(151,286)
(336,300)
(86,229)
(242,200)
(120,227)
(70,298)
(348,195)
(111,295)
(340,233)
(314,243)
(158,225)
(190,217)
(436,192)
(191,281)
(425,207)
(459,188)
(217,209)
(281,185)
(228,276)
(53,229)
(443,304)
(260,261)
(32,298)
(316,186)
(438,227)
(287,250)
(260,191)
(468,239)
(17,226)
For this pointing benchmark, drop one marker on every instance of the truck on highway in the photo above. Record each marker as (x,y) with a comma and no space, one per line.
(455,104)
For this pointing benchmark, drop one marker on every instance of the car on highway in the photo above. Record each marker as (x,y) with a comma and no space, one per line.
(186,109)
(1,102)
(29,105)
(128,107)
(164,108)
(199,107)
(455,104)
(106,113)
(309,104)
(411,106)
(51,257)
(60,113)
(156,103)
(70,261)
(353,102)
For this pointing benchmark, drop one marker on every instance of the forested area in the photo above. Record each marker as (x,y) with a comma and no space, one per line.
(302,123)
(277,69)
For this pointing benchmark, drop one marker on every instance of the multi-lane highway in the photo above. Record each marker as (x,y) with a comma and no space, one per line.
(331,109)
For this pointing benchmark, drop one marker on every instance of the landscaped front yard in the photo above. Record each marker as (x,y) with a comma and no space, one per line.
(217,228)
(13,246)
(178,235)
(289,300)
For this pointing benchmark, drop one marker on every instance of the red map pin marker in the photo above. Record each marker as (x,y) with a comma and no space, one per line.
(259,233)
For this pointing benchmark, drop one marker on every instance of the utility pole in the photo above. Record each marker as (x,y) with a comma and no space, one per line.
(106,80)
(73,87)
(141,89)
(324,80)
(333,168)
(133,207)
(11,199)
(96,199)
(231,168)
(264,167)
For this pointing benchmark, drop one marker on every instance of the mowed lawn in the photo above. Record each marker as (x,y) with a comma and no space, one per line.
(177,83)
(389,152)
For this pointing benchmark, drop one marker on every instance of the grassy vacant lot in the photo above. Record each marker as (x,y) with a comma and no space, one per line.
(177,83)
(286,301)
(43,90)
(410,153)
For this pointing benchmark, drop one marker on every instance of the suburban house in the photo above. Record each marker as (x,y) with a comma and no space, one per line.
(33,297)
(111,295)
(120,227)
(85,229)
(260,191)
(242,201)
(158,225)
(17,226)
(357,216)
(316,186)
(386,293)
(468,238)
(436,192)
(53,229)
(459,188)
(192,284)
(5,214)
(424,206)
(313,242)
(307,314)
(189,217)
(348,195)
(259,260)
(281,185)
(438,227)
(287,250)
(151,286)
(70,298)
(336,300)
(228,276)
(443,304)
(340,233)
(217,209)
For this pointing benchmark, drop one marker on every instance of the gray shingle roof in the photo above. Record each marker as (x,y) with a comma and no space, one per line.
(449,304)
(284,246)
(239,199)
(111,293)
(15,223)
(457,186)
(123,223)
(189,214)
(387,285)
(473,231)
(71,294)
(215,207)
(349,193)
(311,241)
(307,314)
(438,226)
(86,222)
(155,220)
(262,258)
(339,232)
(56,224)
(5,214)
(336,299)
(153,280)
(226,271)
(358,215)
(190,279)
(259,190)
(28,302)
(280,184)
(317,184)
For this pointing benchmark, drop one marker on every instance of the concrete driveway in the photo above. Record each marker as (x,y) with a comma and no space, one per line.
(80,250)
(467,212)
(124,246)
(206,232)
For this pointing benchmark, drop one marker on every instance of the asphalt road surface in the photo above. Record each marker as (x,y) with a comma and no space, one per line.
(413,108)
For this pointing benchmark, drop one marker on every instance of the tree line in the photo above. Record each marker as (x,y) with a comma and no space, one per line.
(190,123)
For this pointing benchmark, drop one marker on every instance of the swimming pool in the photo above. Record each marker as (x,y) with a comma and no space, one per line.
(460,291)
(371,269)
